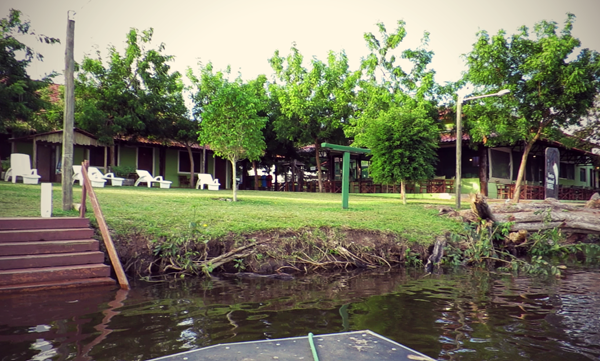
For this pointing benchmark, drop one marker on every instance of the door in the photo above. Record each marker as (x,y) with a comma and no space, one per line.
(145,159)
(44,162)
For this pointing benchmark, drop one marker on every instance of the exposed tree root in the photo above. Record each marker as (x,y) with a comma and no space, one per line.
(306,250)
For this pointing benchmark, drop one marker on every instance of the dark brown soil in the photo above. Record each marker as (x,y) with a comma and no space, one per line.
(302,251)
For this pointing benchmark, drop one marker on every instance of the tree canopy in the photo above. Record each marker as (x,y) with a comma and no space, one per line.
(397,110)
(134,93)
(19,97)
(551,86)
(229,116)
(403,145)
(314,102)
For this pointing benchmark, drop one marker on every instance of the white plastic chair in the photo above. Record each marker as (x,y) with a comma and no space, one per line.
(146,177)
(20,166)
(205,178)
(77,175)
(96,173)
(93,173)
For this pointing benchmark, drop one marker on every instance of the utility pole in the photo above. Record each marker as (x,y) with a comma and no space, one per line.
(457,177)
(69,118)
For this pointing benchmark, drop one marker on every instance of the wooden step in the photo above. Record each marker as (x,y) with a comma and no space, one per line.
(7,224)
(50,260)
(47,247)
(52,274)
(100,281)
(45,235)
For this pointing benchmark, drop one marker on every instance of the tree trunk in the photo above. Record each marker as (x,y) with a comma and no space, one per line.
(189,149)
(318,159)
(203,162)
(483,170)
(255,175)
(233,170)
(522,166)
(113,156)
(403,191)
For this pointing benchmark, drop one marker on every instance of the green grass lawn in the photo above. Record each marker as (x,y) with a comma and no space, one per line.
(159,212)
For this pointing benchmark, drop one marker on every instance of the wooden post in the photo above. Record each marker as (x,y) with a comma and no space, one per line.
(105,159)
(345,179)
(34,157)
(69,119)
(457,188)
(46,200)
(84,164)
(108,243)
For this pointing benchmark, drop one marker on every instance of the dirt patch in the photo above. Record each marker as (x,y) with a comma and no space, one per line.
(306,250)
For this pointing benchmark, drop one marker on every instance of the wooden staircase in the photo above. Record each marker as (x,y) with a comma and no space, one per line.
(50,253)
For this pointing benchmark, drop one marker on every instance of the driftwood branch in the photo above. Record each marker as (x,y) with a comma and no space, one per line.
(231,255)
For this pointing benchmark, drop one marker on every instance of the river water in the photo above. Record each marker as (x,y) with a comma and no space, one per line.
(460,315)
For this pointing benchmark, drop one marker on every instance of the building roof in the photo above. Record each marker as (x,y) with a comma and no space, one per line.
(80,137)
(156,142)
(451,137)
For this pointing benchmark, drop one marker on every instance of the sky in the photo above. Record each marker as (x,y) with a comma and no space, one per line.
(245,34)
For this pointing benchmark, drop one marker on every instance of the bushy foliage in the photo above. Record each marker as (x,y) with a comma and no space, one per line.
(19,94)
(551,86)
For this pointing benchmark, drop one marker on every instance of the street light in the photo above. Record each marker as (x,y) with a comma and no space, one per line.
(459,137)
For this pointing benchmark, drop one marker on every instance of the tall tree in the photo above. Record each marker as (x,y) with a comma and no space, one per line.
(551,87)
(134,93)
(19,94)
(403,145)
(314,102)
(229,113)
(397,110)
(203,91)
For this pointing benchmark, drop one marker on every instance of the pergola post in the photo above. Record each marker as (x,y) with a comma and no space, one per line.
(345,167)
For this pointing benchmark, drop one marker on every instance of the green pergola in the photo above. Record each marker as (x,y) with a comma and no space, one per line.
(345,167)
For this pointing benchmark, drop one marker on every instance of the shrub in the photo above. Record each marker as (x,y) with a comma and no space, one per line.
(123,170)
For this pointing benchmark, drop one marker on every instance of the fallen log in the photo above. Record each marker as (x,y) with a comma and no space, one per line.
(553,216)
(549,214)
(549,203)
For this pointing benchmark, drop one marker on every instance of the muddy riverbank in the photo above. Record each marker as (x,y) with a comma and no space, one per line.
(303,251)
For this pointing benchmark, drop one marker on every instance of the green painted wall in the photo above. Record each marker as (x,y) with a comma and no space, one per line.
(127,156)
(78,155)
(210,164)
(469,185)
(171,166)
(25,148)
(577,182)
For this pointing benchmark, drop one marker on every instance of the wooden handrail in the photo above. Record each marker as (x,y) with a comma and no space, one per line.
(110,246)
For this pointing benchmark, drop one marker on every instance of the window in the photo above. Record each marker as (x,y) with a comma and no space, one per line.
(364,168)
(500,164)
(184,162)
(567,171)
(582,175)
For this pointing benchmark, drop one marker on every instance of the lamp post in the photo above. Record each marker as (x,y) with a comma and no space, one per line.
(460,101)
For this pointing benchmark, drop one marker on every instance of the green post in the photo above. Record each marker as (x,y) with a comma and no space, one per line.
(345,179)
(345,167)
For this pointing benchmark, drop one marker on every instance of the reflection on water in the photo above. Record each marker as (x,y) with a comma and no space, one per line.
(469,315)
